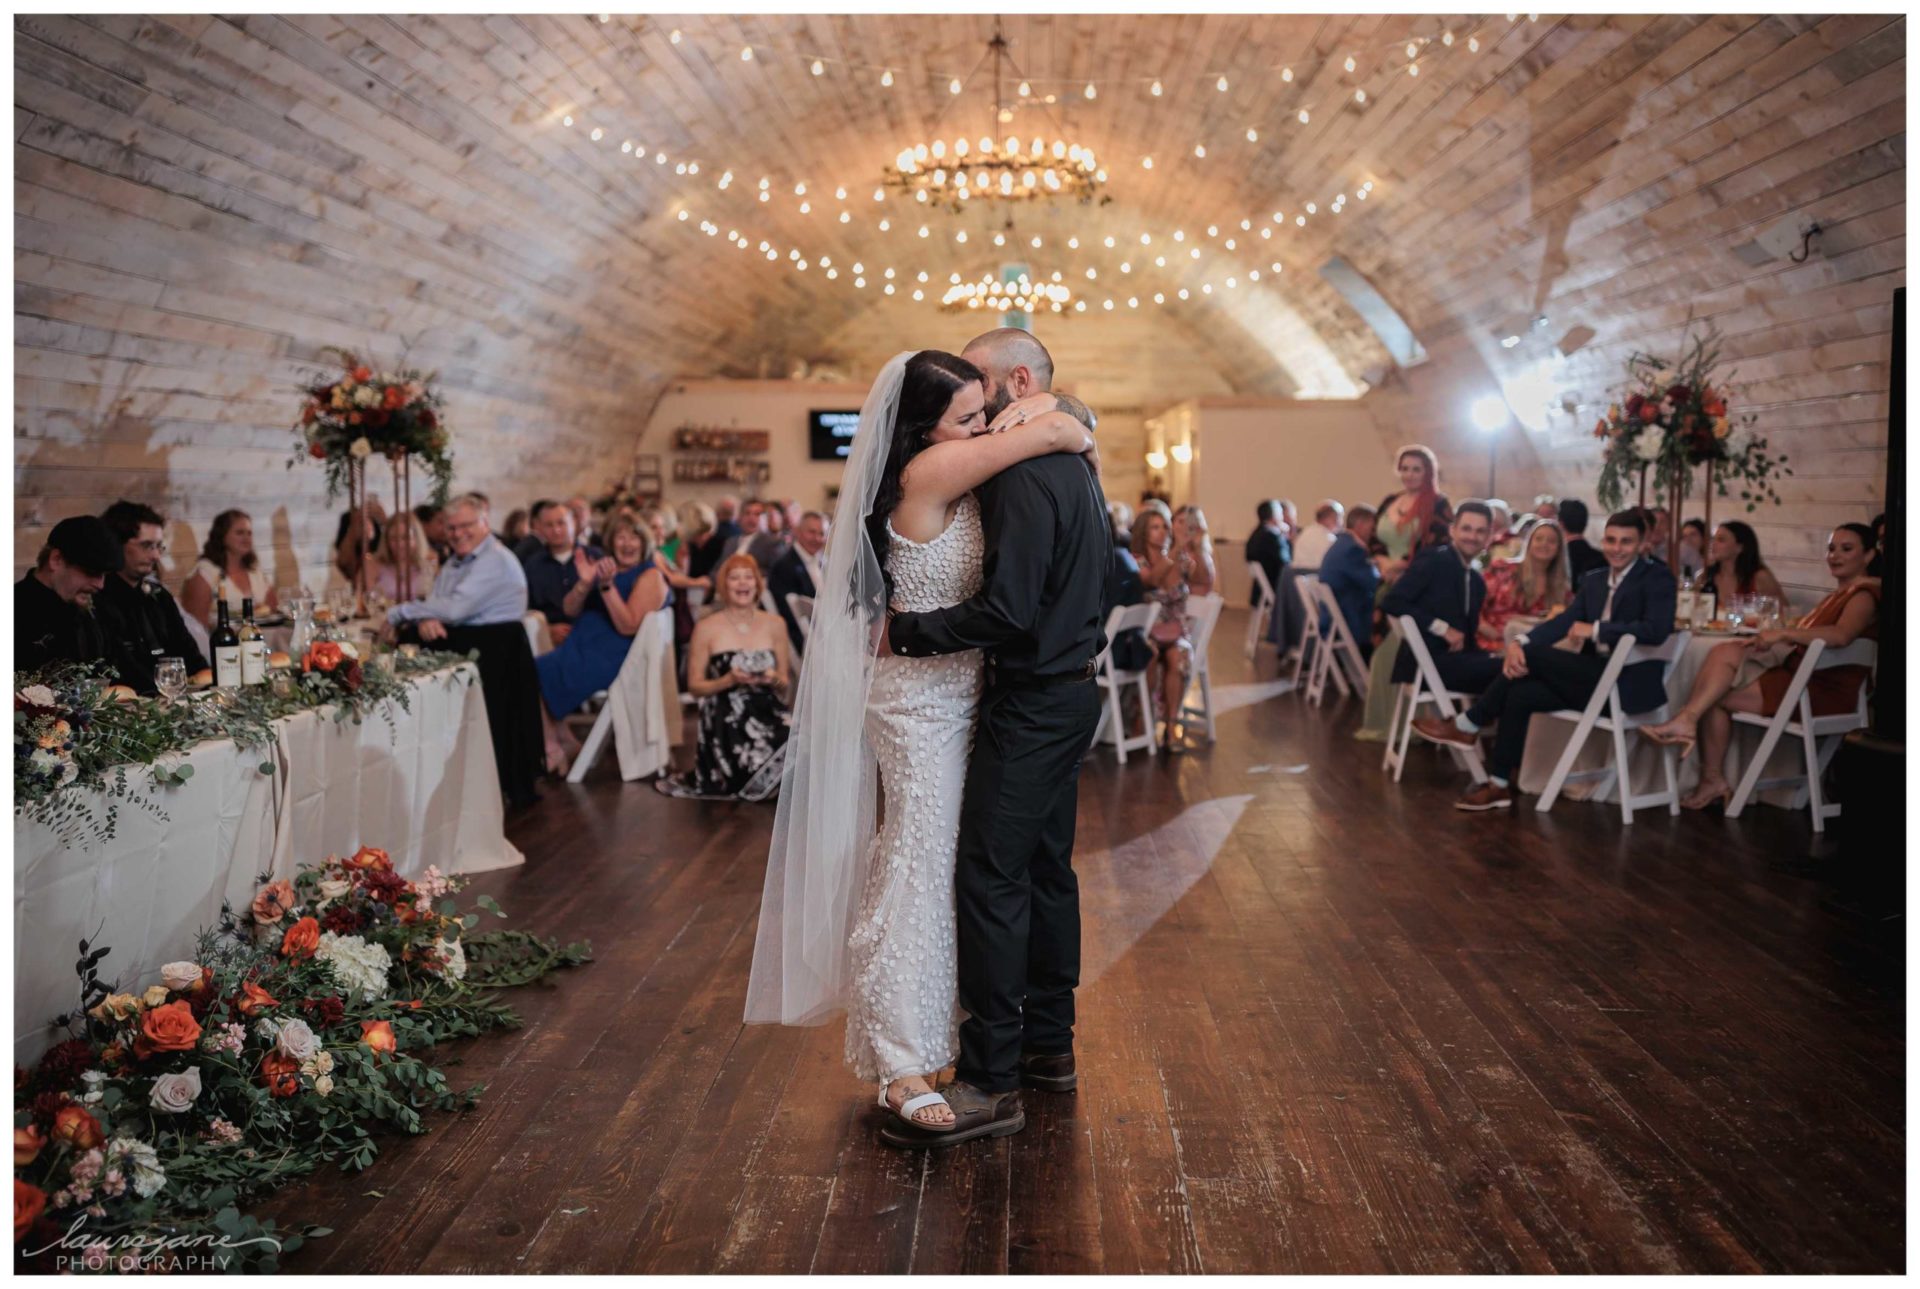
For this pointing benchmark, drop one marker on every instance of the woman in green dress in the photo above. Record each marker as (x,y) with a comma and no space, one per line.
(1411,519)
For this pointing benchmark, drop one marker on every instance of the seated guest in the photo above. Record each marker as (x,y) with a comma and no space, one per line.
(1349,571)
(800,570)
(1633,596)
(530,542)
(1693,548)
(738,668)
(583,528)
(53,618)
(1734,566)
(515,530)
(401,546)
(710,550)
(1311,546)
(1266,546)
(228,570)
(1544,507)
(1752,675)
(662,528)
(1121,514)
(1582,558)
(480,584)
(773,540)
(558,567)
(347,552)
(606,607)
(1442,592)
(1534,585)
(1500,542)
(753,523)
(1659,529)
(140,619)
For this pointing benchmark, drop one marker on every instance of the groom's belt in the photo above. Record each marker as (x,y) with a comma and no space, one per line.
(997,675)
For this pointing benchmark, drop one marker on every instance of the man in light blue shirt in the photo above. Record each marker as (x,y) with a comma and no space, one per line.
(480,583)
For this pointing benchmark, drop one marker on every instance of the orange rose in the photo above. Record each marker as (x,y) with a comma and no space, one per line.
(395,397)
(370,857)
(171,1028)
(378,1035)
(302,940)
(280,1074)
(74,1126)
(362,374)
(318,451)
(253,999)
(29,1202)
(273,901)
(28,1142)
(322,656)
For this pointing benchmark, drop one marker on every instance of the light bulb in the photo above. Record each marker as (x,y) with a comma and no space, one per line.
(1036,243)
(1304,118)
(1312,209)
(1146,163)
(1156,91)
(1126,266)
(1359,96)
(1026,90)
(919,295)
(674,36)
(819,68)
(999,239)
(683,216)
(886,225)
(1350,63)
(953,86)
(1090,91)
(1159,298)
(1108,306)
(1200,150)
(1286,74)
(1109,243)
(1183,293)
(886,77)
(626,145)
(923,230)
(1160,261)
(746,53)
(1073,243)
(1253,135)
(845,218)
(1446,38)
(1182,452)
(1221,85)
(597,134)
(1413,69)
(1413,50)
(1473,44)
(1092,274)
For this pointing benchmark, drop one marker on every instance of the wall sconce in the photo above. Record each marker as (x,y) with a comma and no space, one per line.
(1183,452)
(1156,460)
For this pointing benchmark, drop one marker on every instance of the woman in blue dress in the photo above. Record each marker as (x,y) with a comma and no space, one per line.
(607,608)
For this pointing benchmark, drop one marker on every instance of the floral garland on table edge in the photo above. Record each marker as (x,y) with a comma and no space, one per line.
(75,731)
(294,1033)
(364,412)
(1674,418)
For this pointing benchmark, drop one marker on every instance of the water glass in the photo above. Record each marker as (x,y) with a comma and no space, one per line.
(170,678)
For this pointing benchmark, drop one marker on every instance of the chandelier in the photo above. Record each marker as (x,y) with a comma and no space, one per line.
(950,174)
(1020,294)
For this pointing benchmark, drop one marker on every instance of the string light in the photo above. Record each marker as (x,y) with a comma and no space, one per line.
(886,78)
(1156,91)
(1091,95)
(1413,69)
(1200,150)
(597,133)
(1413,50)
(1359,96)
(746,53)
(1286,74)
(1146,163)
(1350,63)
(1221,85)
(1253,135)
(819,68)
(1473,44)
(626,145)
(1304,118)
(953,86)
(1446,38)
(674,36)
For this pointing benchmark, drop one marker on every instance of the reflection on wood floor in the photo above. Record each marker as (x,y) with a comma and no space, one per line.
(1328,1024)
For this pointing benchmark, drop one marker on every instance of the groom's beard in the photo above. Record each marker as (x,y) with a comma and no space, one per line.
(997,401)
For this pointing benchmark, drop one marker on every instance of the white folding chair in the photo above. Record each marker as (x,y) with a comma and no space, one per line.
(1263,609)
(1819,735)
(1312,644)
(1111,680)
(1203,614)
(632,710)
(1427,687)
(801,607)
(539,634)
(766,602)
(1339,652)
(1603,711)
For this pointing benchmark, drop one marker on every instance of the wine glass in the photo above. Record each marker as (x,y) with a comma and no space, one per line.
(170,678)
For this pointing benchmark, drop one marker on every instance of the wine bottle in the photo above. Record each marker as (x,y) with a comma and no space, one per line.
(253,648)
(226,652)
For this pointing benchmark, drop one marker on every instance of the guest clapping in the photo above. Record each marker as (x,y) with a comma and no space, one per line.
(480,582)
(559,565)
(606,607)
(228,570)
(738,668)
(1533,585)
(1752,675)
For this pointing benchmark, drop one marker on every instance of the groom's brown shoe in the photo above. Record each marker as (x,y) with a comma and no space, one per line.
(975,1114)
(1048,1072)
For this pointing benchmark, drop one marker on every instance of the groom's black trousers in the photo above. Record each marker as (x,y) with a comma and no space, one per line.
(1017,900)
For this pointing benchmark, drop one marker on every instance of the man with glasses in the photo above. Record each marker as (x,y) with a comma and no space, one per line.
(139,618)
(479,584)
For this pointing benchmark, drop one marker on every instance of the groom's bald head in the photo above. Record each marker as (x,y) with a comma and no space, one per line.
(1015,364)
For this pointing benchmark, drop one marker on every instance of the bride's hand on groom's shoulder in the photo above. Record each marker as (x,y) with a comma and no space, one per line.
(1022,411)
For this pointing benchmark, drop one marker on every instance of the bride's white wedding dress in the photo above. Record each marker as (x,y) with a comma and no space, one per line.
(902,1013)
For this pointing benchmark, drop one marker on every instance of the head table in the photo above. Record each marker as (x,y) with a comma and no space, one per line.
(423,788)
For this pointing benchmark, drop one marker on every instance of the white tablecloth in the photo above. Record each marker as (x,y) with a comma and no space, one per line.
(1547,739)
(424,789)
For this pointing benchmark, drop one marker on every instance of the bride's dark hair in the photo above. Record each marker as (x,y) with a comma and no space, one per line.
(931,379)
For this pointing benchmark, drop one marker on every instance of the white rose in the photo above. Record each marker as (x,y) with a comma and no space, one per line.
(139,1161)
(323,1085)
(1651,442)
(360,448)
(180,975)
(176,1093)
(331,889)
(456,956)
(38,695)
(1739,441)
(366,395)
(347,649)
(296,1040)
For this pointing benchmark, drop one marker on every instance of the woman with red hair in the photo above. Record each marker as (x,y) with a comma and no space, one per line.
(738,667)
(1411,519)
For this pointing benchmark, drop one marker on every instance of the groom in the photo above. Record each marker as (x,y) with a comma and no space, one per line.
(1039,617)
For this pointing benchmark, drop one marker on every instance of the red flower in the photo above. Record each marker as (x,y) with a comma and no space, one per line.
(252,998)
(350,676)
(324,655)
(328,1011)
(369,858)
(317,451)
(302,940)
(63,1064)
(427,418)
(280,1074)
(362,374)
(342,920)
(395,397)
(170,1028)
(1679,395)
(378,1035)
(386,886)
(29,1202)
(353,418)
(74,1126)
(309,414)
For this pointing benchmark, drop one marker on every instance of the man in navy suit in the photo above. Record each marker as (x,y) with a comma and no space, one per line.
(1442,591)
(1633,596)
(1349,572)
(800,570)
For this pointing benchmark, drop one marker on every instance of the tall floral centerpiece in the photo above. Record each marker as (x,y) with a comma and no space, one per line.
(1674,418)
(362,413)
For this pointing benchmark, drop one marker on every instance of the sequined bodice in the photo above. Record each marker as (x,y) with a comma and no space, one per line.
(939,573)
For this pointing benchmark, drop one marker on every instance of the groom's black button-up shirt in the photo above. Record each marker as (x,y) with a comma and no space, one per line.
(1040,612)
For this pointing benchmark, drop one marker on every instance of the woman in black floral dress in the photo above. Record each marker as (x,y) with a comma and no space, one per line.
(738,667)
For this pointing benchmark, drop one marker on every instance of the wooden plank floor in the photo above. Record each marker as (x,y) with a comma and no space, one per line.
(1328,1024)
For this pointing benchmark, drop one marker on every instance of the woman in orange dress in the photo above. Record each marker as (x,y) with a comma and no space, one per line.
(1753,675)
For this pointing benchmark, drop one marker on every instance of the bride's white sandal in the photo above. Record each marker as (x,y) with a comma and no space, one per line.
(912,1105)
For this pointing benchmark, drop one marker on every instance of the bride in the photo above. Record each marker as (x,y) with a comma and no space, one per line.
(851,917)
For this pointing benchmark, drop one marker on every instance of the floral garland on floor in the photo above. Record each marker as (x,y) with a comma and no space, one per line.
(76,732)
(295,1033)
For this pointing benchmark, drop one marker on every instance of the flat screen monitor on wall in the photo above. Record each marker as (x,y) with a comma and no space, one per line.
(830,434)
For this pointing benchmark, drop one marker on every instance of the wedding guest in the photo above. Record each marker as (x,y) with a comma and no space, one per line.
(1311,546)
(1633,596)
(53,605)
(1120,514)
(1533,585)
(1659,532)
(800,570)
(1582,558)
(773,540)
(140,620)
(753,523)
(1501,542)
(1410,520)
(1267,546)
(1443,593)
(558,567)
(662,528)
(606,609)
(1349,571)
(1693,548)
(402,546)
(1176,560)
(1753,675)
(479,584)
(708,554)
(1735,567)
(583,531)
(433,525)
(738,668)
(1544,507)
(347,552)
(531,543)
(514,531)
(228,570)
